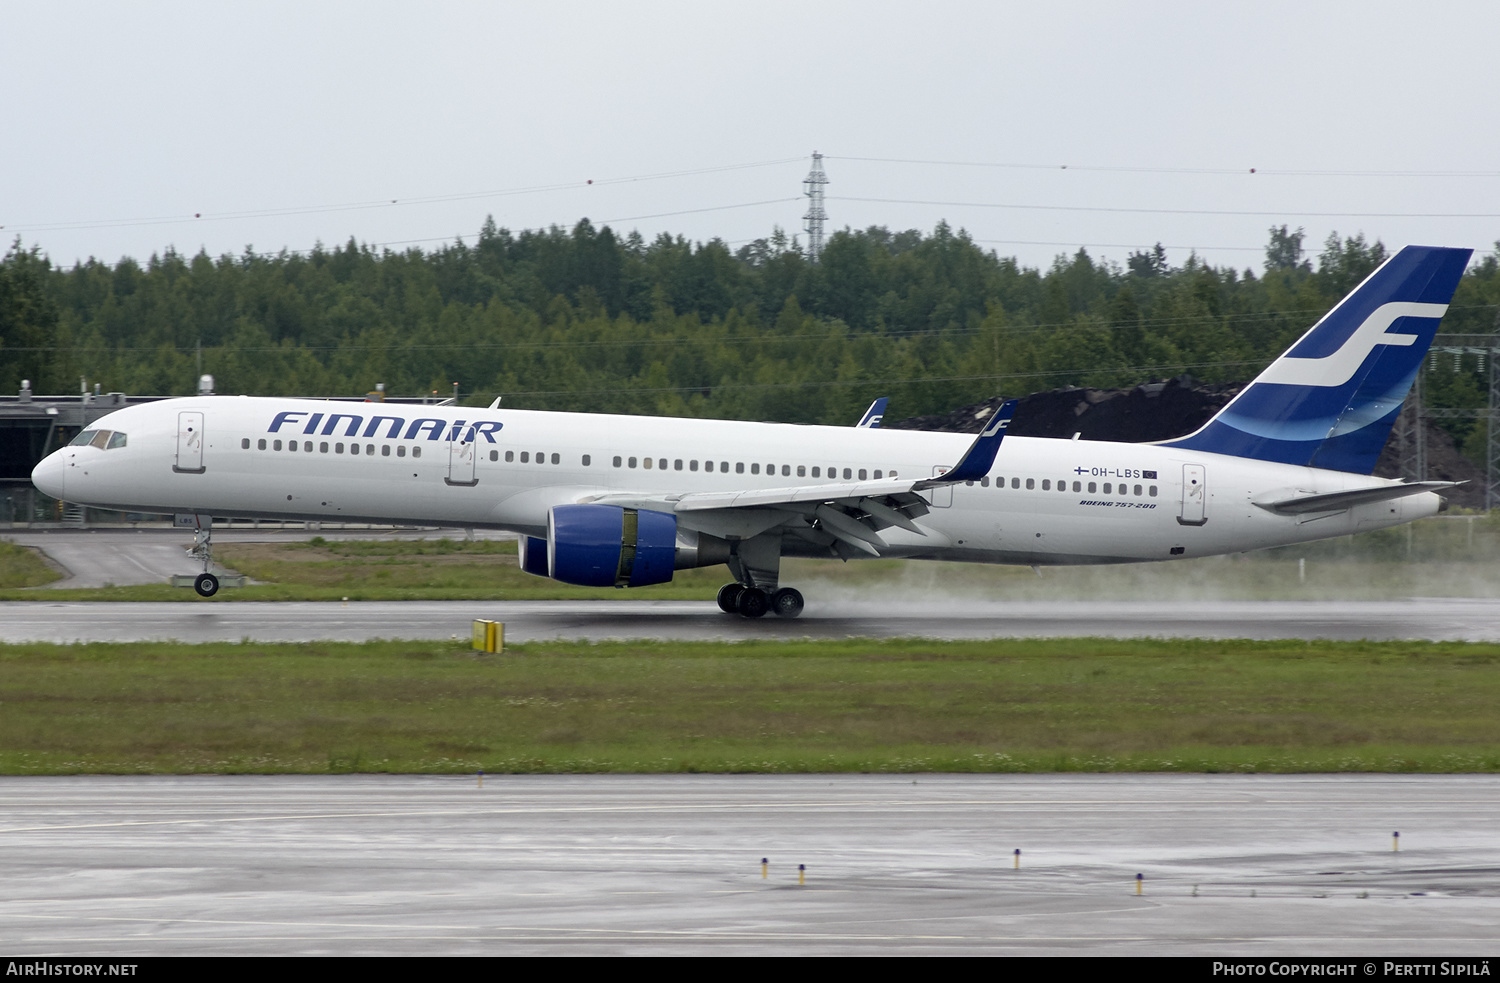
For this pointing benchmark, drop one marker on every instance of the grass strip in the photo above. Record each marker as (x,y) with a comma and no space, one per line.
(853,706)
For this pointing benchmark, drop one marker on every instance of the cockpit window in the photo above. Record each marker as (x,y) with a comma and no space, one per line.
(102,439)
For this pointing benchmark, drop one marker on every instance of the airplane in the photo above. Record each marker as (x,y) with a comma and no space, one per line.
(625,501)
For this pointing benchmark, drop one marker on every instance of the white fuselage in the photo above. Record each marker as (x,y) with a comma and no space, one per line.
(1045,501)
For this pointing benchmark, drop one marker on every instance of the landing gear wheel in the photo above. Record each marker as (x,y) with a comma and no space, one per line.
(786,603)
(207,585)
(729,598)
(754,603)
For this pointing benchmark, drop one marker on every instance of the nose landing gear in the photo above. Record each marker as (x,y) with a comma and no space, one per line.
(206,584)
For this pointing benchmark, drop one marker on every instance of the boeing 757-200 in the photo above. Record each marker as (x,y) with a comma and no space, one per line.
(624,501)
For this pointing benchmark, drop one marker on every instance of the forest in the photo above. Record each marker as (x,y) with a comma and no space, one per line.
(586,319)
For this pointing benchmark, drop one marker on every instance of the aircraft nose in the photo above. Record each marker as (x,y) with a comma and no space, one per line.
(48,475)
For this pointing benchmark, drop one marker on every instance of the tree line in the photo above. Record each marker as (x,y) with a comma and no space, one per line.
(585,319)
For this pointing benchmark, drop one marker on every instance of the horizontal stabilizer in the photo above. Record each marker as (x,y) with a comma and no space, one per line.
(1347,499)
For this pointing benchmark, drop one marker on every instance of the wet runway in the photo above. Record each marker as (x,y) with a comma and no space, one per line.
(152,555)
(192,621)
(393,865)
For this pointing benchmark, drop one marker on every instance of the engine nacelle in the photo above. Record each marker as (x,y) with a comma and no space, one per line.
(606,546)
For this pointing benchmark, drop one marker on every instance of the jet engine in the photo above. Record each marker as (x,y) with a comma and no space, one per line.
(610,546)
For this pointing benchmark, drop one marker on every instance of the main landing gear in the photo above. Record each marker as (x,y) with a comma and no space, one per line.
(752,602)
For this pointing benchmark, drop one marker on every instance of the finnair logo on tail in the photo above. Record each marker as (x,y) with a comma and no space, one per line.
(1338,368)
(996,425)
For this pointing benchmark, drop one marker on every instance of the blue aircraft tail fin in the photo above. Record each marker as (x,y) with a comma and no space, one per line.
(874,414)
(1329,401)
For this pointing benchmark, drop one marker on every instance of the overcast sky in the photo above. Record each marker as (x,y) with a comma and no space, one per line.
(283,124)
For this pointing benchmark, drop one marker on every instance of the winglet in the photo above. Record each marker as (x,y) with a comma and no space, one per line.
(980,456)
(873,415)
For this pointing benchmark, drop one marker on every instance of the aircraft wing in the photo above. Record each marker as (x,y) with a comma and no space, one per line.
(842,515)
(1301,505)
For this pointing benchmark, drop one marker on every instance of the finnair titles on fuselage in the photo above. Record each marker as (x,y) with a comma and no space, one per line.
(619,500)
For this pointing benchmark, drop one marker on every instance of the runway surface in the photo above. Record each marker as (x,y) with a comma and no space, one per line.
(122,557)
(598,865)
(91,621)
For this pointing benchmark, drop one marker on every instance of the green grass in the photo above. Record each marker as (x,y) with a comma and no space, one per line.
(21,567)
(890,706)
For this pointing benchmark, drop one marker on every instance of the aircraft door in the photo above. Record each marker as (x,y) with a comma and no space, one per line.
(941,497)
(189,443)
(1193,509)
(461,460)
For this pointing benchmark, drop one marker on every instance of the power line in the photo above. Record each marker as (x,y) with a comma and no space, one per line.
(1157,169)
(757,338)
(1169,211)
(284,211)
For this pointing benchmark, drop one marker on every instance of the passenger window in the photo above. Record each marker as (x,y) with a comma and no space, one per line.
(693,465)
(385,451)
(494,455)
(1046,484)
(1077,486)
(631,462)
(646,464)
(370,450)
(339,447)
(1030,483)
(755,467)
(353,448)
(557,459)
(587,459)
(322,447)
(848,474)
(1015,482)
(307,447)
(677,464)
(724,467)
(526,458)
(1137,489)
(291,445)
(275,445)
(1106,488)
(817,471)
(986,481)
(739,467)
(802,471)
(786,470)
(1152,491)
(400,450)
(244,443)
